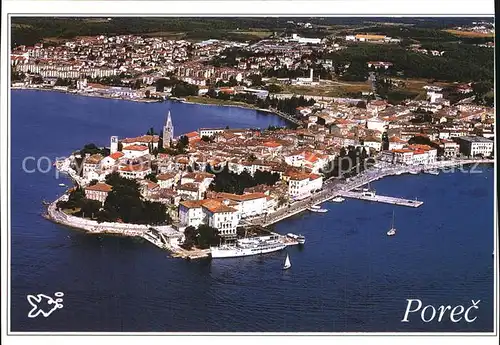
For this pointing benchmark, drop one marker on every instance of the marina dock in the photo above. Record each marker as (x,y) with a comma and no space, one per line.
(383,199)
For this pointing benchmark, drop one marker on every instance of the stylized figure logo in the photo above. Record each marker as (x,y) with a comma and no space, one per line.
(43,304)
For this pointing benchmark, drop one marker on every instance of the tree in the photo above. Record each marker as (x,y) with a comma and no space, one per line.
(256,79)
(190,237)
(207,236)
(273,88)
(89,208)
(184,140)
(151,177)
(211,93)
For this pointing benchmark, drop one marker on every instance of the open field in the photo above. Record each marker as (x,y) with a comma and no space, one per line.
(215,101)
(257,32)
(418,84)
(332,89)
(166,34)
(469,33)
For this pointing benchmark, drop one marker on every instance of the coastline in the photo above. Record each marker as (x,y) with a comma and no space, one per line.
(249,107)
(172,244)
(138,100)
(146,100)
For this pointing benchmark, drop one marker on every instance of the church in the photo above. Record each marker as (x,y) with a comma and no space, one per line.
(168,131)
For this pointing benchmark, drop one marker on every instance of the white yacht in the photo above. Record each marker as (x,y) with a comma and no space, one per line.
(248,246)
(318,209)
(432,171)
(299,238)
(287,263)
(337,199)
(392,230)
(62,185)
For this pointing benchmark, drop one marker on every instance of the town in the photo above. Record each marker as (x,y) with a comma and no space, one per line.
(347,118)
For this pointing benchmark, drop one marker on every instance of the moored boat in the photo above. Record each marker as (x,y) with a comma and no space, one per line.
(299,238)
(432,171)
(337,199)
(248,247)
(318,209)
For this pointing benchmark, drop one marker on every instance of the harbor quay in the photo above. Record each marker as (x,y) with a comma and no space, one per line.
(370,196)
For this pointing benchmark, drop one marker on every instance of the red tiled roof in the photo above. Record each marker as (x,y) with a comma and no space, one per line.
(193,134)
(116,155)
(136,148)
(142,139)
(166,176)
(100,187)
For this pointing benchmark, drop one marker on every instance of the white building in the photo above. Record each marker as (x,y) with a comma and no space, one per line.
(91,165)
(167,180)
(472,146)
(209,132)
(135,151)
(98,192)
(396,143)
(211,212)
(111,160)
(191,213)
(402,156)
(248,205)
(190,191)
(302,185)
(113,144)
(137,171)
(374,143)
(222,217)
(145,140)
(376,124)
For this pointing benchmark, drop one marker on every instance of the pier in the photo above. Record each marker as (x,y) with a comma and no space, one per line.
(383,199)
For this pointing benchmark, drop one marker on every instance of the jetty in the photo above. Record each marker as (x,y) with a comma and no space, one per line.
(382,199)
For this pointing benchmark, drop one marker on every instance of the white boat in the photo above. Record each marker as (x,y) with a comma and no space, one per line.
(299,238)
(337,199)
(287,264)
(413,172)
(432,171)
(392,230)
(248,247)
(318,209)
(62,185)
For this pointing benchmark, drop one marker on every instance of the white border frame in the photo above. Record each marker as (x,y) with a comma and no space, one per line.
(341,8)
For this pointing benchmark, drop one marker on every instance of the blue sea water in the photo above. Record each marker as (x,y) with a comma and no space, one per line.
(348,277)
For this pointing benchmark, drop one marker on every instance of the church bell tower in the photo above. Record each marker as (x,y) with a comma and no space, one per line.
(168,131)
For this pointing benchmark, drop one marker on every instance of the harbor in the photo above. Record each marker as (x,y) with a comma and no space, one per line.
(334,188)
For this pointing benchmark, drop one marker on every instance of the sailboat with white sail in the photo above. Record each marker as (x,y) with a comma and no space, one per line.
(392,230)
(287,264)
